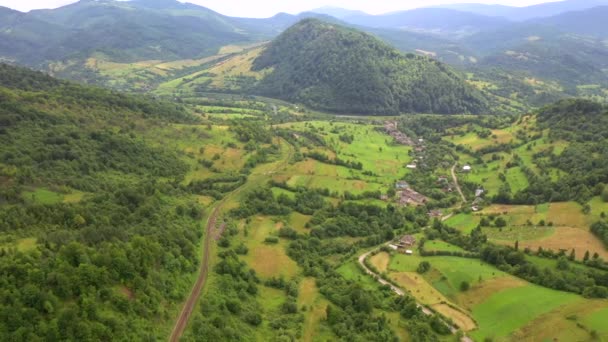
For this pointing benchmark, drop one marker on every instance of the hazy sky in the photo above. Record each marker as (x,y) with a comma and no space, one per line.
(266,8)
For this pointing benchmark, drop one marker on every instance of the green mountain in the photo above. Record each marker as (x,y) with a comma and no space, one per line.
(337,69)
(93,245)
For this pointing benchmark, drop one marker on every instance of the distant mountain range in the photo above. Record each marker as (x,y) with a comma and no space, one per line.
(527,55)
(544,10)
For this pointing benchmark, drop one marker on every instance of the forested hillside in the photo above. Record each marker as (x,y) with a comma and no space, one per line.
(333,68)
(97,236)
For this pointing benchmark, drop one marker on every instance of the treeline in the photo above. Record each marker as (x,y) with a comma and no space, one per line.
(585,281)
(336,161)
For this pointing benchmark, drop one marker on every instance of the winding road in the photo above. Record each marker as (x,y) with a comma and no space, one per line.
(425,310)
(400,292)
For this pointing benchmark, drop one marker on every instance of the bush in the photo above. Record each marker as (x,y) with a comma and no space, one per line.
(271,240)
(465,286)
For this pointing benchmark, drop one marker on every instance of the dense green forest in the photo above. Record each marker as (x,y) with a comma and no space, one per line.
(332,68)
(111,262)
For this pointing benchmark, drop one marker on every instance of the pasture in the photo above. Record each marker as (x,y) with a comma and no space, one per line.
(268,260)
(511,309)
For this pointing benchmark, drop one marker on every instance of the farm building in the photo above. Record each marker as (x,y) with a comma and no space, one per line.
(467,168)
(409,252)
(475,208)
(411,166)
(409,196)
(406,241)
(479,192)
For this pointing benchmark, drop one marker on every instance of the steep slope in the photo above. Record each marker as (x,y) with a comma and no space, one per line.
(342,70)
(82,182)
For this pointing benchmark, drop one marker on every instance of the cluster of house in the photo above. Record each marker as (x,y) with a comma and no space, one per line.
(408,196)
(391,129)
(404,245)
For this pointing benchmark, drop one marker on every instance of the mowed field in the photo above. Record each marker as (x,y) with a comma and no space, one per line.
(502,307)
(565,226)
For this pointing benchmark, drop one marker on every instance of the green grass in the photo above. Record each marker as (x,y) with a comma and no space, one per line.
(598,207)
(439,245)
(597,321)
(43,196)
(517,179)
(351,271)
(518,233)
(508,310)
(463,222)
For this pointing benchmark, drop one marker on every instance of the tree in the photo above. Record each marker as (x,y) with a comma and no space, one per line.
(586,257)
(572,255)
(500,222)
(605,194)
(423,267)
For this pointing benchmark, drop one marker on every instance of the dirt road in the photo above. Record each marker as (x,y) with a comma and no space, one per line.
(186,312)
(464,200)
(213,233)
(400,292)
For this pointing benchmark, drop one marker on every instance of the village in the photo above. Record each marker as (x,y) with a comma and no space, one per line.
(405,195)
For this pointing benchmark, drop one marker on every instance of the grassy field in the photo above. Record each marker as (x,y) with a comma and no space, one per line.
(439,245)
(463,222)
(380,261)
(497,305)
(518,233)
(511,309)
(316,305)
(268,260)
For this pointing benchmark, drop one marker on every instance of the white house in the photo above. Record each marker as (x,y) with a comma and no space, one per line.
(467,168)
(411,166)
(409,252)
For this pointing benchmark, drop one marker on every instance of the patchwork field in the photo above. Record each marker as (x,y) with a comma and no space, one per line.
(497,305)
